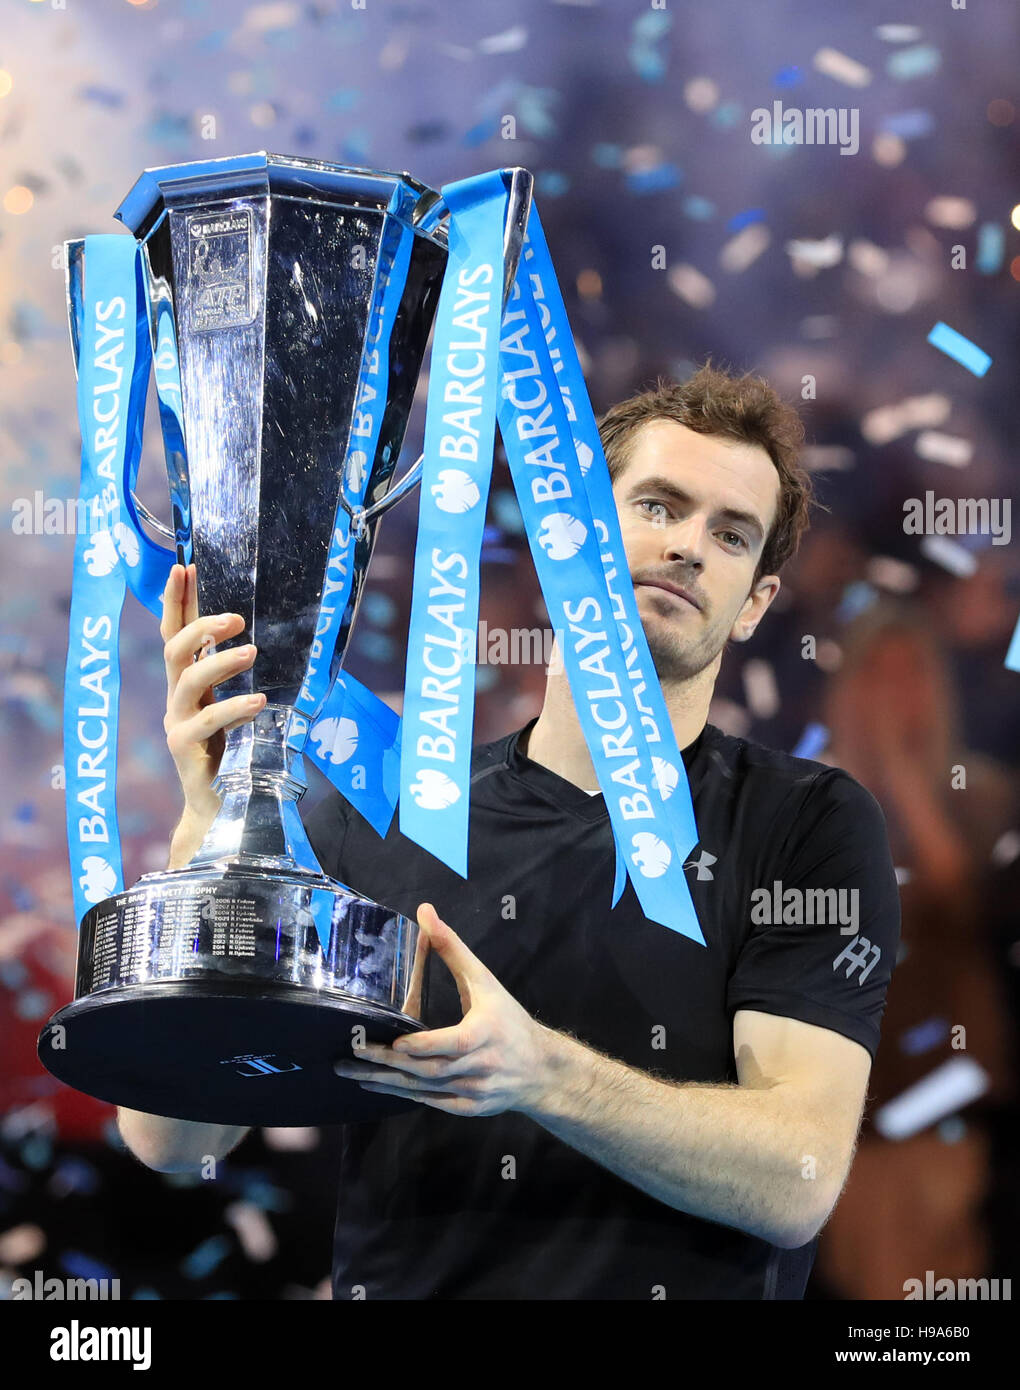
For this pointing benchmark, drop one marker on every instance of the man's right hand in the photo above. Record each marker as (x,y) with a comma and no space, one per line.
(195,721)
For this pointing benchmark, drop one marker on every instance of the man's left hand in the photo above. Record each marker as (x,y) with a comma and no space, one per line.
(495,1059)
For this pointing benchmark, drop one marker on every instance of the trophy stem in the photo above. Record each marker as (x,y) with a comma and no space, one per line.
(261,781)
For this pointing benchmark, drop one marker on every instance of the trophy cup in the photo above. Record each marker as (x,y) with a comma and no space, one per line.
(204,993)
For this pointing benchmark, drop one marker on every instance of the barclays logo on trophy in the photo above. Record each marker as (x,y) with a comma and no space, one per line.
(284,305)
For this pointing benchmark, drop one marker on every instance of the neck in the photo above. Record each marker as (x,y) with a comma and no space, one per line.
(557,740)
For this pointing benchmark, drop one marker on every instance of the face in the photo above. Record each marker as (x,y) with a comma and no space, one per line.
(695,511)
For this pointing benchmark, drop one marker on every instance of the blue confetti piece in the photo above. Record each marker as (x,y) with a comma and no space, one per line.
(533,108)
(81,1266)
(24,813)
(74,1175)
(212,42)
(654,180)
(857,597)
(169,130)
(919,61)
(607,156)
(486,676)
(550,183)
(812,741)
(378,608)
(908,125)
(343,99)
(13,974)
(726,115)
(220,1294)
(788,77)
(744,219)
(205,1257)
(652,25)
(1012,662)
(959,348)
(991,247)
(146,1294)
(257,1190)
(507,512)
(699,208)
(33,1003)
(924,1036)
(36,1151)
(647,62)
(478,134)
(101,96)
(374,646)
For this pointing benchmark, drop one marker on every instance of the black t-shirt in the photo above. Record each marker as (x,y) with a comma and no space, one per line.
(433,1205)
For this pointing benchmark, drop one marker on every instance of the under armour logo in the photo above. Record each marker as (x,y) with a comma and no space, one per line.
(701,864)
(856,951)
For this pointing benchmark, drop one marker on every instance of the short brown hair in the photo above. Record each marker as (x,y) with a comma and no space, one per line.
(744,408)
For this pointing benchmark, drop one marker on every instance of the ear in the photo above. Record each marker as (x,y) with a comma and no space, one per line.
(755,607)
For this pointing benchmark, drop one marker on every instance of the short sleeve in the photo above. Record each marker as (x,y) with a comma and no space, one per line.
(326,825)
(825,922)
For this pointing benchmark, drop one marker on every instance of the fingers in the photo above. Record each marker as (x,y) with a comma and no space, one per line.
(184,735)
(193,686)
(181,648)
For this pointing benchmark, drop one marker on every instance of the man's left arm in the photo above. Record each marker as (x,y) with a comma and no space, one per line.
(768,1155)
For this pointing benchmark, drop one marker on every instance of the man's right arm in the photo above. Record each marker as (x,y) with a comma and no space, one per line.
(195,723)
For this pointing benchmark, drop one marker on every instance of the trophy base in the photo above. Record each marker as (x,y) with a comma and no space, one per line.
(222,1052)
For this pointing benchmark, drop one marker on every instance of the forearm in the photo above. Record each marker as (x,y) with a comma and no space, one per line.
(175,1146)
(727,1153)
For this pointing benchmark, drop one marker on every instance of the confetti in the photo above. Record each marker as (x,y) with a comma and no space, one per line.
(954,1084)
(944,448)
(813,740)
(760,689)
(913,62)
(887,423)
(959,348)
(991,246)
(837,65)
(509,41)
(744,249)
(908,125)
(688,283)
(949,555)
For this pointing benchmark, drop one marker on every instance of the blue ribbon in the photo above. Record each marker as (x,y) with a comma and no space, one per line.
(439,689)
(112,374)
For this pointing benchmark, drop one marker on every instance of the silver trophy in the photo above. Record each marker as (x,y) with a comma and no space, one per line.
(203,993)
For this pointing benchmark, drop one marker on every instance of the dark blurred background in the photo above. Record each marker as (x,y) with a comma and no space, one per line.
(676,238)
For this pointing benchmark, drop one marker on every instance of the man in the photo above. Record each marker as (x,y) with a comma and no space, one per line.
(602,1107)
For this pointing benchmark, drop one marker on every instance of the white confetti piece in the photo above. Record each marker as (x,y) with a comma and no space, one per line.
(841,67)
(509,41)
(867,258)
(258,1240)
(689,284)
(1006,849)
(297,1140)
(744,249)
(944,448)
(888,422)
(950,555)
(828,458)
(942,1092)
(946,211)
(819,255)
(898,33)
(895,576)
(760,688)
(21,1244)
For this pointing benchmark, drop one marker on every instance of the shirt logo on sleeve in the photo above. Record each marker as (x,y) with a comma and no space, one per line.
(858,953)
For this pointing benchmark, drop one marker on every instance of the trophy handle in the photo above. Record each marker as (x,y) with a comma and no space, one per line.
(74,281)
(520,184)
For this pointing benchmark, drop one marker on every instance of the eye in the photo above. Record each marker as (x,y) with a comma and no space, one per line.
(653,502)
(736,535)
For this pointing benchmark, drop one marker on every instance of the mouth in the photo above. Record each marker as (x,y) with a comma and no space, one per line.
(673,589)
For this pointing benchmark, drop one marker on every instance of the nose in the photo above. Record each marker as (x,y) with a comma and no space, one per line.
(685,542)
